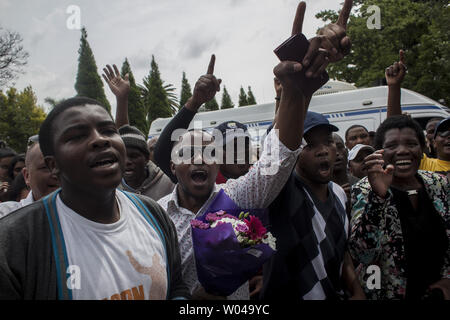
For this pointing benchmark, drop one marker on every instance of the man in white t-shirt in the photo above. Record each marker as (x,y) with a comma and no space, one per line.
(88,240)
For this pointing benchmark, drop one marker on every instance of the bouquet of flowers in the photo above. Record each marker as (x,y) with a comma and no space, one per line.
(230,245)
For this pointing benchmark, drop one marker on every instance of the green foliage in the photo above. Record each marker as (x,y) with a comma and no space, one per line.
(420,28)
(250,97)
(20,117)
(136,109)
(88,82)
(242,98)
(211,105)
(226,103)
(186,91)
(158,99)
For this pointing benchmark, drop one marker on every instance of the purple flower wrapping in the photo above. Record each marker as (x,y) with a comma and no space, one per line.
(222,264)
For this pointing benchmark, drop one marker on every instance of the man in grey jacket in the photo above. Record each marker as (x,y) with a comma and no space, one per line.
(88,240)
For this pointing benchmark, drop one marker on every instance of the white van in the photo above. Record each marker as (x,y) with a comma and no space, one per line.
(350,106)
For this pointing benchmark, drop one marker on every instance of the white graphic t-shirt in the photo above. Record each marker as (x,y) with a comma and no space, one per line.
(125,260)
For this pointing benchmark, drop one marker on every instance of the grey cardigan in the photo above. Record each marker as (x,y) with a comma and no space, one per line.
(33,261)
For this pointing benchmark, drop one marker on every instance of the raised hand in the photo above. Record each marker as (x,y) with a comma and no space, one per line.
(315,61)
(118,85)
(335,38)
(205,88)
(396,73)
(380,179)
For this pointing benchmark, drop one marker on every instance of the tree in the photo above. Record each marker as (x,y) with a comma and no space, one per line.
(418,27)
(12,56)
(250,97)
(136,109)
(211,105)
(20,117)
(227,103)
(171,96)
(88,82)
(155,95)
(186,91)
(242,98)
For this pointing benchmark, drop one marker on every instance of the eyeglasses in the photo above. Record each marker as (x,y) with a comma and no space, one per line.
(189,152)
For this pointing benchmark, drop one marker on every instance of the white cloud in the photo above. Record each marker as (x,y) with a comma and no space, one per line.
(182,34)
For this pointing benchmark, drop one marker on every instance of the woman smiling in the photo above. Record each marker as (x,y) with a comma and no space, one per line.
(401,217)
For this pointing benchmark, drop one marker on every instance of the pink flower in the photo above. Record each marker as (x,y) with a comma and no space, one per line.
(212,217)
(220,213)
(256,229)
(242,228)
(199,224)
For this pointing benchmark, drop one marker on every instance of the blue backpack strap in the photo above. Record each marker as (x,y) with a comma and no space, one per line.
(59,247)
(142,208)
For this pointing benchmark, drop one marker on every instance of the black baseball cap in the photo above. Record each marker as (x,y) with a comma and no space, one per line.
(314,119)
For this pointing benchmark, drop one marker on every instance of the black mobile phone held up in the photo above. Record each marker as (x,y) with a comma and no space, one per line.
(295,49)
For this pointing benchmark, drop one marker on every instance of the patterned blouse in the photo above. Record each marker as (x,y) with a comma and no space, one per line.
(376,235)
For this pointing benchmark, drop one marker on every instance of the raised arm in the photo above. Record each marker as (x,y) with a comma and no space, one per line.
(204,90)
(394,77)
(121,88)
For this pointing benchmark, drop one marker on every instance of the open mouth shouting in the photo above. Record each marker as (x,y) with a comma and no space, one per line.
(325,168)
(199,176)
(104,162)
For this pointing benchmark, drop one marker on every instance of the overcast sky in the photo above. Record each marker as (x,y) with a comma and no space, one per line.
(182,34)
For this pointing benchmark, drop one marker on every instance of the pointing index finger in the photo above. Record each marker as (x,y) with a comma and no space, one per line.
(211,64)
(297,26)
(345,13)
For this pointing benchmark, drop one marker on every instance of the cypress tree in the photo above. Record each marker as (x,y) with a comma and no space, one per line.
(156,102)
(227,103)
(88,82)
(242,98)
(186,91)
(136,110)
(250,97)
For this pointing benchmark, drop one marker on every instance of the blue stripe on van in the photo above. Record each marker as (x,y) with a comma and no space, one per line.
(406,108)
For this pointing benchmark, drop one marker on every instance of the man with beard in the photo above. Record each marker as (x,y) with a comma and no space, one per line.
(196,186)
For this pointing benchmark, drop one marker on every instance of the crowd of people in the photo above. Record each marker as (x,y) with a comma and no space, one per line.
(93,210)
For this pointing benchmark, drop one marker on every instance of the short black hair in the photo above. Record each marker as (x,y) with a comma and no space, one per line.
(12,164)
(353,127)
(46,130)
(7,152)
(398,122)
